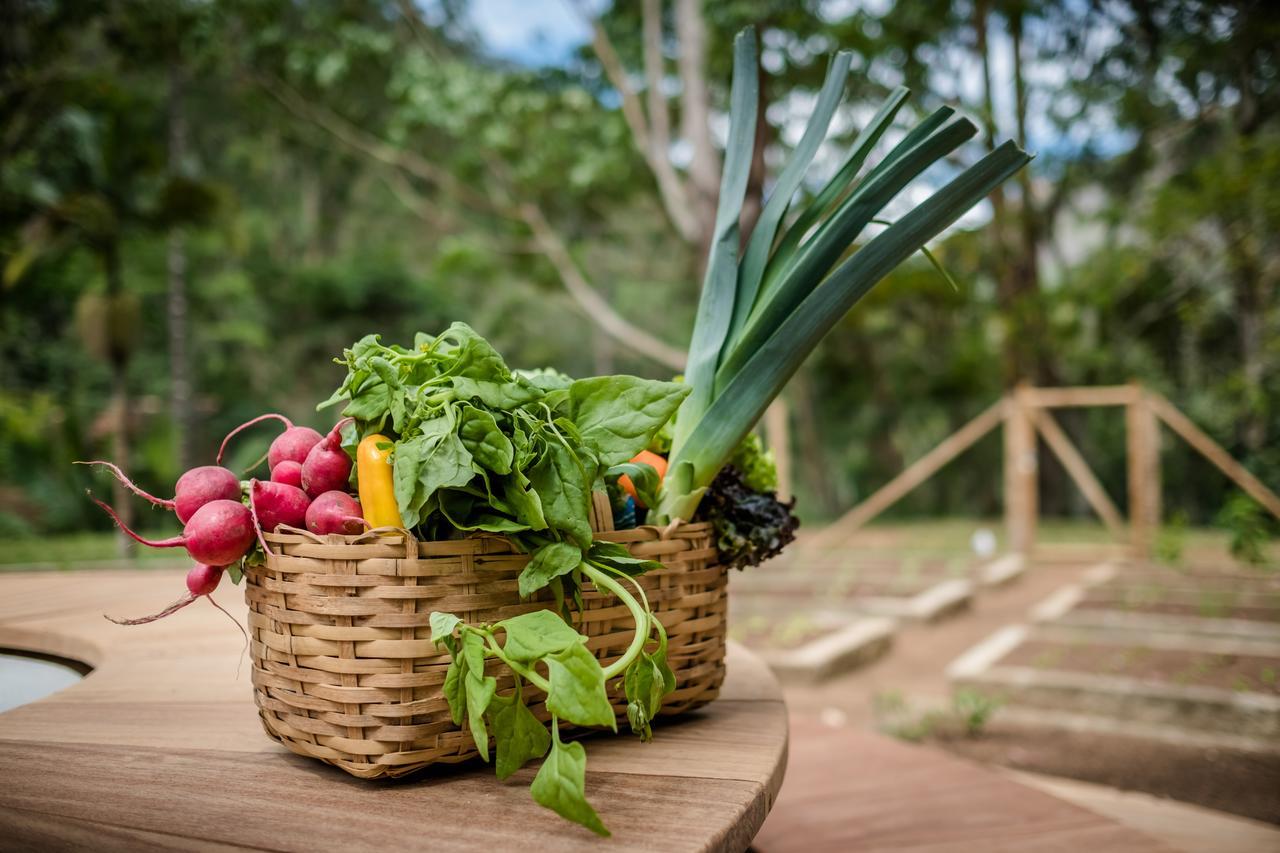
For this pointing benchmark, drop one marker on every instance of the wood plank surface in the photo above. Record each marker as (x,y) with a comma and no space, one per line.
(161,748)
(849,790)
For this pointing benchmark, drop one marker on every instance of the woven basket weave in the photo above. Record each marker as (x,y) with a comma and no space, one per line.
(344,669)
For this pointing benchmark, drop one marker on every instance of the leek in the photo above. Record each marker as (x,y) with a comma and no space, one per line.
(765,307)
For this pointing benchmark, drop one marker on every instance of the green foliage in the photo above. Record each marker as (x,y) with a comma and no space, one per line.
(1250,528)
(574,688)
(476,446)
(967,716)
(1172,539)
(538,452)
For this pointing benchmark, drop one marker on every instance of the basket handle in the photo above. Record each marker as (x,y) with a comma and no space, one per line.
(667,531)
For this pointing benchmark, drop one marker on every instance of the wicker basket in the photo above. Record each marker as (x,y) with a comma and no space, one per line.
(343,667)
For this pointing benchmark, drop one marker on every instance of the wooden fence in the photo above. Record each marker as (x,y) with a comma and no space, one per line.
(1025,413)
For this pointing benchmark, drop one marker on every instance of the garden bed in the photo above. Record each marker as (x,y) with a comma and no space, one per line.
(810,648)
(1240,672)
(1211,685)
(913,588)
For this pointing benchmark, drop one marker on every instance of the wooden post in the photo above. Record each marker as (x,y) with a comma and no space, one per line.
(1079,471)
(1143,440)
(1020,473)
(777,436)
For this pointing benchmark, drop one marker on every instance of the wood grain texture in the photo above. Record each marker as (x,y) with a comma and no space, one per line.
(849,790)
(161,748)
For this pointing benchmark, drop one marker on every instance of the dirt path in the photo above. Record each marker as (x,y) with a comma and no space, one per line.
(916,664)
(914,670)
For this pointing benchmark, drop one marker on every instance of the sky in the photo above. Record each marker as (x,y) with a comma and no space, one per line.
(531,32)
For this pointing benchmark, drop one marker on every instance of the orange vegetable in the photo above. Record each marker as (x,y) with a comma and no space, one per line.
(659,464)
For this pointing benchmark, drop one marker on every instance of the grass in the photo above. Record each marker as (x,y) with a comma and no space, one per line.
(949,536)
(79,550)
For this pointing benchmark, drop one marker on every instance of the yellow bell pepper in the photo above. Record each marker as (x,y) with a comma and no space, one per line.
(374,482)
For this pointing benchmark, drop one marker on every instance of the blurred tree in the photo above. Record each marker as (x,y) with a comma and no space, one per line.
(376,169)
(84,175)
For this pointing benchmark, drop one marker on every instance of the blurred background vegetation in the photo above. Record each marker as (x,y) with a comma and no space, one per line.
(202,202)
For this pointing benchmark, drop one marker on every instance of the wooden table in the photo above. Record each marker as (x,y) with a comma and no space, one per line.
(161,747)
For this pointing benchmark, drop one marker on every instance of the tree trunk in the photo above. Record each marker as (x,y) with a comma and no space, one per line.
(118,358)
(813,459)
(1025,267)
(1005,284)
(704,167)
(180,406)
(1250,320)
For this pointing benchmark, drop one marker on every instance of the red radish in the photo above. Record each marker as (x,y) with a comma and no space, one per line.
(219,533)
(288,472)
(201,580)
(293,444)
(327,467)
(193,490)
(335,512)
(278,503)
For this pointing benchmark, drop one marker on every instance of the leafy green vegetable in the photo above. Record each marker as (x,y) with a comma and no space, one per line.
(549,562)
(617,416)
(577,688)
(561,783)
(765,308)
(751,525)
(477,446)
(574,687)
(535,635)
(520,736)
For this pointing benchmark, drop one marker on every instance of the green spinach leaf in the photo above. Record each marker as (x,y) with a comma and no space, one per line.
(535,635)
(562,781)
(565,491)
(519,735)
(549,561)
(485,441)
(618,415)
(577,688)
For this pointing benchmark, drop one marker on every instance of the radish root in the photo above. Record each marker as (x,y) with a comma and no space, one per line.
(129,484)
(243,633)
(288,424)
(173,542)
(168,611)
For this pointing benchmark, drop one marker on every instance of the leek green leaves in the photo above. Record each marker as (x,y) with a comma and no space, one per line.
(764,309)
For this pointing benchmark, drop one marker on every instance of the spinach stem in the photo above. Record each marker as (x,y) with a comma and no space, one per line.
(516,667)
(639,613)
